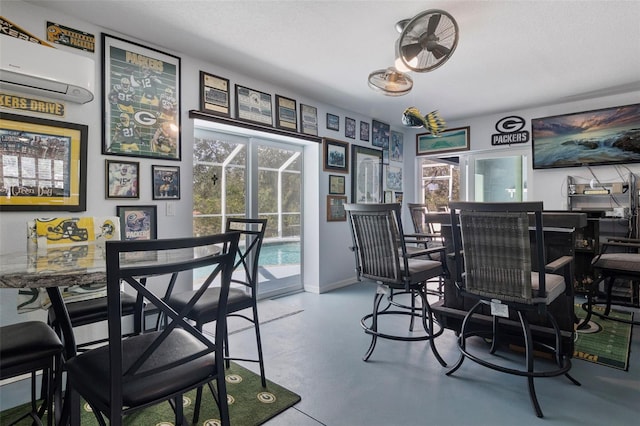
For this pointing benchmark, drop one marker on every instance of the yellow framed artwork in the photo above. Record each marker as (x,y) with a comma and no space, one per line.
(43,164)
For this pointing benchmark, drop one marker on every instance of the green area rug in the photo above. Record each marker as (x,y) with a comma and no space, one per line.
(605,342)
(249,404)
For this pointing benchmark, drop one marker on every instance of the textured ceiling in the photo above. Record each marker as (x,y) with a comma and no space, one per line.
(510,55)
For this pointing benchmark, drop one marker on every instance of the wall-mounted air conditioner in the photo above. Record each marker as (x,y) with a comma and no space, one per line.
(28,67)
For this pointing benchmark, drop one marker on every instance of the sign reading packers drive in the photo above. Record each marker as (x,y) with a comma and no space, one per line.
(28,104)
(510,131)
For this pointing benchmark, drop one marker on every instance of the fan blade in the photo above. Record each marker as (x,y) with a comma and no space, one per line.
(439,51)
(433,24)
(410,51)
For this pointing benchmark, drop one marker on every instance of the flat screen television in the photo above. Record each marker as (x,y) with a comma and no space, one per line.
(590,138)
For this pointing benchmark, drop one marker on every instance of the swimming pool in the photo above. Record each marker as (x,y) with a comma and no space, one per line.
(276,253)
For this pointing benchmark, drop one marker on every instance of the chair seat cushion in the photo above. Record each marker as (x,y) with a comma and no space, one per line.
(553,284)
(421,270)
(94,310)
(627,262)
(205,310)
(25,344)
(89,371)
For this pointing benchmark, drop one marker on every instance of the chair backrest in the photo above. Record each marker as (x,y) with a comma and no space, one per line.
(376,231)
(418,212)
(495,244)
(252,231)
(133,262)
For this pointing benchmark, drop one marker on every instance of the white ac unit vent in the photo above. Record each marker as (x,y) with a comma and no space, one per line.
(28,67)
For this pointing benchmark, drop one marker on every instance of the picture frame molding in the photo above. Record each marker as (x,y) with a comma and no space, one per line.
(244,109)
(335,208)
(214,94)
(289,120)
(152,210)
(350,128)
(308,119)
(149,126)
(75,168)
(380,134)
(156,181)
(110,191)
(333,122)
(337,185)
(340,146)
(373,187)
(444,135)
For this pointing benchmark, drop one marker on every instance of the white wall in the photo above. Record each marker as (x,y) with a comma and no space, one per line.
(329,263)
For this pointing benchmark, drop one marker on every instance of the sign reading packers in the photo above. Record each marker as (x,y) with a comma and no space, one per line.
(34,105)
(510,131)
(59,34)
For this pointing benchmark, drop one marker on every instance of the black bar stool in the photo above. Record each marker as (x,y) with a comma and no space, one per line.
(29,347)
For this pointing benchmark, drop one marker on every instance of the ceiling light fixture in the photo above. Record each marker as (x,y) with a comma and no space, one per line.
(390,82)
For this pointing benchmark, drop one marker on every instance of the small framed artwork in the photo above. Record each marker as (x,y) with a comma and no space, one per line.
(43,164)
(141,100)
(308,120)
(122,178)
(336,156)
(350,127)
(166,182)
(396,146)
(366,177)
(388,197)
(380,133)
(394,178)
(364,131)
(333,122)
(138,222)
(449,140)
(252,105)
(335,208)
(385,156)
(336,184)
(214,94)
(286,114)
(399,197)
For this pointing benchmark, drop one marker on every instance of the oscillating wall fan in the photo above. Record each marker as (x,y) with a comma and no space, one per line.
(390,82)
(427,40)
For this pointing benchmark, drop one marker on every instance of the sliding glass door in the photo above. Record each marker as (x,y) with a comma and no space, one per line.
(248,177)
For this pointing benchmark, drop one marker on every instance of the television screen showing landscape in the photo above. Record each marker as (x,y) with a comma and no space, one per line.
(604,136)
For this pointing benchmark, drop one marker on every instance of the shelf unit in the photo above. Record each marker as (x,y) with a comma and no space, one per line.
(611,212)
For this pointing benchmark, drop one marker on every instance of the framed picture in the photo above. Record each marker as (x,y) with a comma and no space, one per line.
(122,179)
(138,222)
(309,120)
(385,156)
(214,94)
(366,177)
(286,114)
(388,197)
(350,127)
(336,184)
(44,164)
(333,122)
(336,156)
(364,131)
(335,208)
(252,105)
(449,140)
(396,146)
(394,178)
(380,133)
(399,197)
(141,100)
(166,182)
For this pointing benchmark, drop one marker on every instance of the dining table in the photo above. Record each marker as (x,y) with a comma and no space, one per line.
(55,269)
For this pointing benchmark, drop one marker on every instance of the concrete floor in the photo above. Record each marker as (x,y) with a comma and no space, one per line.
(317,353)
(313,345)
